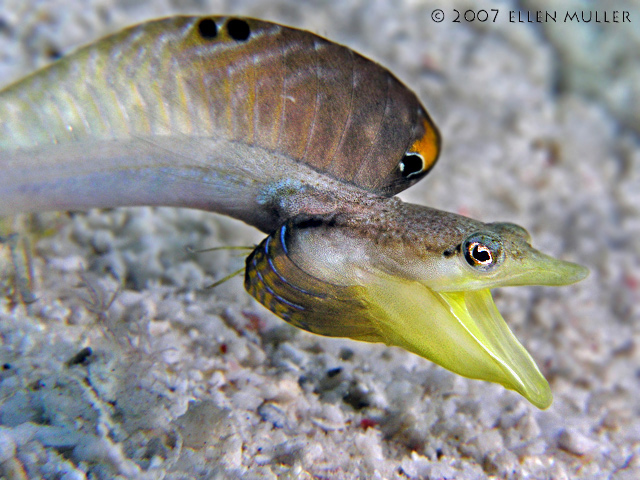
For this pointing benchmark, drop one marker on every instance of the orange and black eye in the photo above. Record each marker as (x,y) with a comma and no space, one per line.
(423,153)
(483,251)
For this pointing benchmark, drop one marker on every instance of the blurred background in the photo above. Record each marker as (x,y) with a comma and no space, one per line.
(125,367)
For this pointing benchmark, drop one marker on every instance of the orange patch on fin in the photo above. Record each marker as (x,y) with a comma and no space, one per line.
(428,146)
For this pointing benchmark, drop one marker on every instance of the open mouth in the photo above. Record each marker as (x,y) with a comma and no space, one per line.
(461,331)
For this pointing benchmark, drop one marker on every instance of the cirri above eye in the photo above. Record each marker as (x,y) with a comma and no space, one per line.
(482,252)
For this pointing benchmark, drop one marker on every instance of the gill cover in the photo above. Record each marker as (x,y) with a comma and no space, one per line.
(304,301)
(460,330)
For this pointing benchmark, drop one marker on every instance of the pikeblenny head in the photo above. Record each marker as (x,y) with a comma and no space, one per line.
(413,277)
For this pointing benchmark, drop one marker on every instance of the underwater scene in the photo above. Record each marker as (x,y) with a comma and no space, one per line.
(282,314)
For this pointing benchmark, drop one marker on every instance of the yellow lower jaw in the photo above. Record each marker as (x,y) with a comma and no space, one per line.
(461,331)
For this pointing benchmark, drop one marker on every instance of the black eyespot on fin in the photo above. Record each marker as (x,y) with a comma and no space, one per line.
(238,29)
(207,29)
(411,164)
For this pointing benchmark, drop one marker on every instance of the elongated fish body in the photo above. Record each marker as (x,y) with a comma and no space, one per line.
(216,113)
(307,141)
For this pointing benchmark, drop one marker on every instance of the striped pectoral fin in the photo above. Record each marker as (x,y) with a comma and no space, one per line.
(303,300)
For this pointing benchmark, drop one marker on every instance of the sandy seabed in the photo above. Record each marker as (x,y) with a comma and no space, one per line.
(541,123)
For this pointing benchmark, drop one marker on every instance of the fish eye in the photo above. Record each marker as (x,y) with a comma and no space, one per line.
(482,252)
(478,254)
